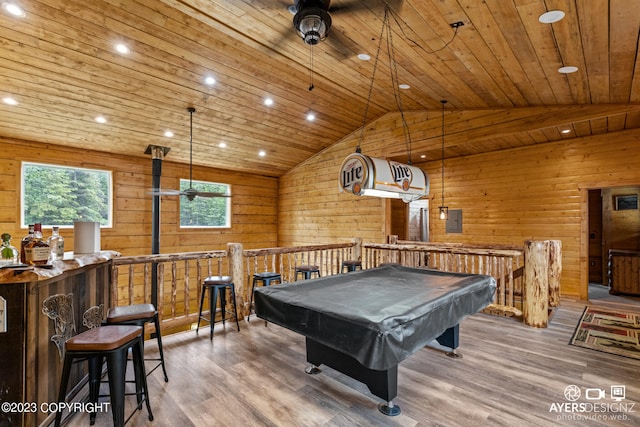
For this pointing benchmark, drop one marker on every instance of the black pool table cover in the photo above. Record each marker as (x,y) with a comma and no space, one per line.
(377,316)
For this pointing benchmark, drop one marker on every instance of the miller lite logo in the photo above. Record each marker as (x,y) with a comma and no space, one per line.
(401,175)
(353,175)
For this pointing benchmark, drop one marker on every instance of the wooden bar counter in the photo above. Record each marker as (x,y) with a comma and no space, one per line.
(33,336)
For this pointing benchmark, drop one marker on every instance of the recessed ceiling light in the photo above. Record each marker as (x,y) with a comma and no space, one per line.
(262,153)
(364,57)
(168,134)
(210,80)
(101,119)
(567,69)
(423,156)
(565,131)
(404,86)
(13,9)
(222,145)
(551,16)
(268,102)
(9,101)
(311,116)
(122,48)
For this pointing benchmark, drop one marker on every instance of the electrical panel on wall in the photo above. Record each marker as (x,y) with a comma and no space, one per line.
(454,221)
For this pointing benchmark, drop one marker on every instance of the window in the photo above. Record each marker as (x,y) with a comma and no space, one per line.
(205,211)
(59,195)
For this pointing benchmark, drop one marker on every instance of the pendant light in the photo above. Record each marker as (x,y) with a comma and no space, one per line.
(369,176)
(444,210)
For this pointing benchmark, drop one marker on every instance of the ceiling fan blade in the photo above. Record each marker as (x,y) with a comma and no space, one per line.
(160,192)
(342,46)
(370,5)
(211,194)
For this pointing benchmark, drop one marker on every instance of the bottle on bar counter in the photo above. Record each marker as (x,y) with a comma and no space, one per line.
(8,254)
(56,245)
(23,243)
(37,250)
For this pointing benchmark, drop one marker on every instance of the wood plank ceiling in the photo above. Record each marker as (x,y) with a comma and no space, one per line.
(498,72)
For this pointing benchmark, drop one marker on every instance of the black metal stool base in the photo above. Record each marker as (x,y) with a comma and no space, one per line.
(96,345)
(217,286)
(139,315)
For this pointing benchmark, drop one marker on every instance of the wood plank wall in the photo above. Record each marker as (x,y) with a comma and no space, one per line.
(537,192)
(254,201)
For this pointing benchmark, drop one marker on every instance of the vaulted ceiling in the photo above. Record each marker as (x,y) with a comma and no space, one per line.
(498,73)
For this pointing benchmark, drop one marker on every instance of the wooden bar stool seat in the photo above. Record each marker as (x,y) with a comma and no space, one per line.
(307,271)
(217,286)
(266,278)
(139,315)
(111,343)
(351,265)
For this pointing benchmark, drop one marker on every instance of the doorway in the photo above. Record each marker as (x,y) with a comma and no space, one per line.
(410,221)
(611,225)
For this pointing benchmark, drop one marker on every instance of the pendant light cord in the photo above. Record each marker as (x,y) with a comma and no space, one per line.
(395,83)
(191,111)
(373,75)
(393,70)
(442,176)
(311,86)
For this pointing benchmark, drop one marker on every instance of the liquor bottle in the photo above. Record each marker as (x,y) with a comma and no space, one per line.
(8,254)
(56,245)
(37,250)
(26,239)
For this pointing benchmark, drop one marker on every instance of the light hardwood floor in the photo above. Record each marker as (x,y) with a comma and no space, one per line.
(510,375)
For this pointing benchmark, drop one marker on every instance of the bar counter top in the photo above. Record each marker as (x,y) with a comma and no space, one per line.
(41,308)
(57,268)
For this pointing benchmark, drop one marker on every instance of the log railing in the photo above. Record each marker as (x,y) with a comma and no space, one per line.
(284,260)
(528,278)
(179,282)
(503,263)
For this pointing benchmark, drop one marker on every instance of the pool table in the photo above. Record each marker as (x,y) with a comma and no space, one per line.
(364,323)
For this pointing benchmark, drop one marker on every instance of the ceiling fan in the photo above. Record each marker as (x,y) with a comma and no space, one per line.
(191,193)
(312,21)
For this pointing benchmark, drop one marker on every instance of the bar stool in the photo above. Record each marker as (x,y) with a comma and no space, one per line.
(351,265)
(111,343)
(139,315)
(217,286)
(266,278)
(307,270)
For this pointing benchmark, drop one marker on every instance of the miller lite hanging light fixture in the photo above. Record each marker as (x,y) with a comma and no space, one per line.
(369,176)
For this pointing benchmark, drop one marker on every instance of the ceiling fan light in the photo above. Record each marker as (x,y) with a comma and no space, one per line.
(312,24)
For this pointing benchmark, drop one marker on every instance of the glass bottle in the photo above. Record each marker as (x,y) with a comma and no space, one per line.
(8,254)
(37,250)
(26,239)
(56,244)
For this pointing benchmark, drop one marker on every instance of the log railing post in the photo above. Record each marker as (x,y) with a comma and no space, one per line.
(393,253)
(555,269)
(236,267)
(535,305)
(357,248)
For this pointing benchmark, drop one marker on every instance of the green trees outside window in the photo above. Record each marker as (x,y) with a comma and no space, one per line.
(202,211)
(59,195)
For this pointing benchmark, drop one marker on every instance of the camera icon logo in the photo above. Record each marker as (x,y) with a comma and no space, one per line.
(594,393)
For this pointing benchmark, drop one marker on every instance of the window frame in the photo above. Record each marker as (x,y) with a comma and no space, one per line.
(110,198)
(228,210)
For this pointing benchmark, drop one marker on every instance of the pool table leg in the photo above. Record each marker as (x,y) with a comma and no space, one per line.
(383,384)
(450,338)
